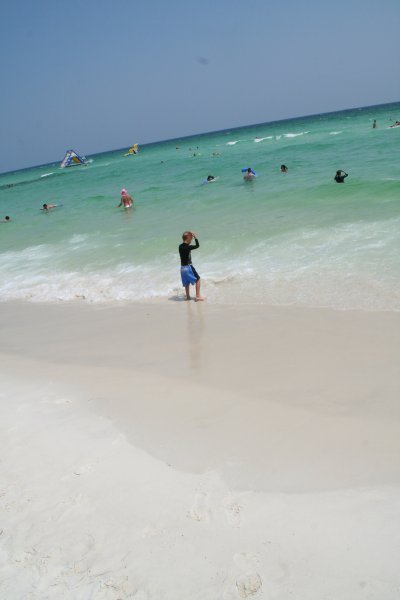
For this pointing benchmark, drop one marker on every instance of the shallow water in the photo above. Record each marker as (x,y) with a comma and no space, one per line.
(295,238)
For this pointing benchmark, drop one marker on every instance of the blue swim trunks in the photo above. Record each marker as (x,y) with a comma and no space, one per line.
(189,275)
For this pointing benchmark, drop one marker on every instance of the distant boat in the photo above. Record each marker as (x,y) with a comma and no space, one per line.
(133,150)
(71,159)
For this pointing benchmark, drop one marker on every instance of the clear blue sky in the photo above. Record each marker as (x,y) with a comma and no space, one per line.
(95,75)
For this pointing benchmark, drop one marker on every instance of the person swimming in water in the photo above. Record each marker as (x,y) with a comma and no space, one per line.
(47,207)
(374,124)
(189,274)
(211,178)
(340,176)
(126,200)
(249,175)
(284,169)
(6,219)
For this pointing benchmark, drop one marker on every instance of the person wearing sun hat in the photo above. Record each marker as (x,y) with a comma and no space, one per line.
(126,200)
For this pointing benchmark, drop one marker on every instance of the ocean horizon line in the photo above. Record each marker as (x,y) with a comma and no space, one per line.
(205,133)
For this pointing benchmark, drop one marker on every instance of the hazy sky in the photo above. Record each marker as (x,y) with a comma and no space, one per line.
(96,75)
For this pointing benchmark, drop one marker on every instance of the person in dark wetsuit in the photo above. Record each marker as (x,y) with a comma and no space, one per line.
(189,274)
(340,176)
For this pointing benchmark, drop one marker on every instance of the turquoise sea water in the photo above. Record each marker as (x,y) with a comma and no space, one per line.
(296,238)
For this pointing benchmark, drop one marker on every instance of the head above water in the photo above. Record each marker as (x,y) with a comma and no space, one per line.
(124,192)
(44,206)
(7,218)
(249,170)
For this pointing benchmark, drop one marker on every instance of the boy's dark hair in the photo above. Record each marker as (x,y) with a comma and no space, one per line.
(185,235)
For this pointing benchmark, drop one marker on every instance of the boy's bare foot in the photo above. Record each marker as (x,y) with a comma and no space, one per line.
(199,299)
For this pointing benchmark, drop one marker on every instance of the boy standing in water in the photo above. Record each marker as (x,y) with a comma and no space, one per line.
(189,274)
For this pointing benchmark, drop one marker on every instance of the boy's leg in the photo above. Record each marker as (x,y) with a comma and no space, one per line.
(187,290)
(198,296)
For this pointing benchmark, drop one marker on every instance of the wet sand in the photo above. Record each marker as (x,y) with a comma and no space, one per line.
(176,450)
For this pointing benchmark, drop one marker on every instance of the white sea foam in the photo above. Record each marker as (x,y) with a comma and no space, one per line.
(47,174)
(346,267)
(293,135)
(335,132)
(232,143)
(124,283)
(269,137)
(39,253)
(350,266)
(77,240)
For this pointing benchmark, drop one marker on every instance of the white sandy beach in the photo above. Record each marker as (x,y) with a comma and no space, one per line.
(176,451)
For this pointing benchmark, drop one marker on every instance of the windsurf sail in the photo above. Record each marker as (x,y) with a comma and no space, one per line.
(72,159)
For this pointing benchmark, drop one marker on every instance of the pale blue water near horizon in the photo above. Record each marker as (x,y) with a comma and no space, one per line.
(284,239)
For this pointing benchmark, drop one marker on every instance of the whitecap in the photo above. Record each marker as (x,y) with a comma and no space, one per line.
(293,135)
(232,143)
(47,174)
(78,238)
(335,132)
